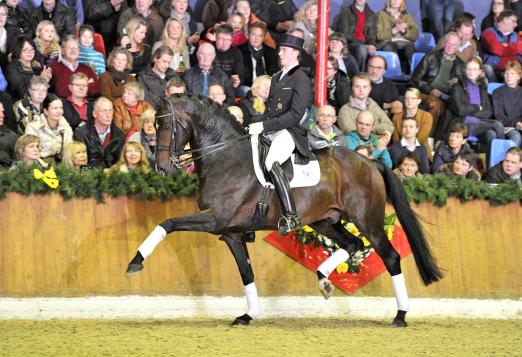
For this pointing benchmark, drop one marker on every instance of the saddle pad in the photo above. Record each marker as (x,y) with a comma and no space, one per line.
(304,175)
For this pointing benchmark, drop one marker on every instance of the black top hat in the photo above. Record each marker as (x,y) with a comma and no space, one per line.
(292,41)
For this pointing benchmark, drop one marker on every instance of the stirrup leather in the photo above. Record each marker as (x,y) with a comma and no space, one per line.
(286,224)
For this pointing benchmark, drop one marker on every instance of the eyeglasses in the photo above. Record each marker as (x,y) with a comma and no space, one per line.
(3,14)
(73,48)
(225,39)
(28,50)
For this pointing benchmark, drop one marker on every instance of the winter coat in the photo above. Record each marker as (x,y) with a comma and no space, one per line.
(154,85)
(347,21)
(62,18)
(427,70)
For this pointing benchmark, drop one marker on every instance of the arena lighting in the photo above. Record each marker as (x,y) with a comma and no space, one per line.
(323,7)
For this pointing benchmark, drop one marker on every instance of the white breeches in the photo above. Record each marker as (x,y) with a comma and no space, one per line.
(281,147)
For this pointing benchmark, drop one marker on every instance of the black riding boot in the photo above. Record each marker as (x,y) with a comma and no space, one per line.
(289,222)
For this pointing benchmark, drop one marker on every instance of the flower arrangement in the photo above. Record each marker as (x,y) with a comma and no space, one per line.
(307,235)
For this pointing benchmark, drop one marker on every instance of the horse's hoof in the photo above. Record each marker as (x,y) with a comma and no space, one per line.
(326,288)
(134,268)
(242,320)
(399,323)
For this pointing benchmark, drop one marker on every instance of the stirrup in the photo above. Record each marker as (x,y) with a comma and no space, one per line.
(286,224)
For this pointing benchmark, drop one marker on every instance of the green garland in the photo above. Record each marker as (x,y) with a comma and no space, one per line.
(144,186)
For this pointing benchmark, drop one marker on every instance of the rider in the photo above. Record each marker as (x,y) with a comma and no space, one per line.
(290,95)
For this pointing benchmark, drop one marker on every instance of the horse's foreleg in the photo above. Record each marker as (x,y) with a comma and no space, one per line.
(239,250)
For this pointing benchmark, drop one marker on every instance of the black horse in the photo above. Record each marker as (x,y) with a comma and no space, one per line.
(351,186)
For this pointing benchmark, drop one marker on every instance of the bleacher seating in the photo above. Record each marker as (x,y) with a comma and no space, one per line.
(493,86)
(425,43)
(499,147)
(393,64)
(415,60)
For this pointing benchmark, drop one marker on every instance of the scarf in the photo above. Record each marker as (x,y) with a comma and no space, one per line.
(260,60)
(118,76)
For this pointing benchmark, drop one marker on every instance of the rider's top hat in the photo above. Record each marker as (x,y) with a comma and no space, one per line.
(292,41)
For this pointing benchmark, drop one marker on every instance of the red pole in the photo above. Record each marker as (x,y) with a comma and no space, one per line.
(323,7)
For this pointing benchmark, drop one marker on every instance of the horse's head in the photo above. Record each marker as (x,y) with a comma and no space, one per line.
(174,132)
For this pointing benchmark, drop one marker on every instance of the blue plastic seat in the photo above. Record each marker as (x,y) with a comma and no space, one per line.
(393,63)
(499,147)
(493,86)
(425,43)
(415,60)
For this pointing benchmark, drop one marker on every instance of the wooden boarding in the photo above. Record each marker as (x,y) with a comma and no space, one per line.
(51,247)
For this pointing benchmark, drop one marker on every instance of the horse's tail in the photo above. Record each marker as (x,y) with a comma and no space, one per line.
(426,262)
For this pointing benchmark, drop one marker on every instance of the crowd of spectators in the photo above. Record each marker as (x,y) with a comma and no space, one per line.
(80,81)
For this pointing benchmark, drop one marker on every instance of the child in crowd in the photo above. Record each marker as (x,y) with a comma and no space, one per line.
(408,166)
(216,92)
(464,166)
(409,143)
(324,133)
(174,86)
(238,23)
(88,55)
(448,151)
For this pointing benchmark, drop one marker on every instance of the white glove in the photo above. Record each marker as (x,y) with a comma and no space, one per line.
(255,128)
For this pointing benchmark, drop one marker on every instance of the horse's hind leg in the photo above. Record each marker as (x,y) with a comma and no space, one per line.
(239,250)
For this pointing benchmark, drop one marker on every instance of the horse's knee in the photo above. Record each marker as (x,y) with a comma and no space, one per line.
(393,263)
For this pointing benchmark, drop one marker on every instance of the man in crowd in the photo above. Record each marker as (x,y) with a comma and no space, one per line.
(384,91)
(508,170)
(143,9)
(228,58)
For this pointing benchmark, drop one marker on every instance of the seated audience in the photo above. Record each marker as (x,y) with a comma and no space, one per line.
(146,13)
(216,93)
(7,142)
(306,20)
(410,143)
(464,166)
(77,109)
(397,31)
(338,48)
(174,38)
(496,8)
(129,108)
(88,55)
(359,101)
(243,7)
(3,35)
(103,15)
(27,151)
(75,155)
(47,44)
(62,18)
(364,151)
(508,170)
(147,135)
(174,86)
(407,166)
(253,106)
(133,158)
(228,58)
(325,133)
(18,23)
(30,106)
(52,129)
(238,24)
(180,10)
(134,41)
(237,113)
(363,135)
(103,139)
(449,149)
(507,102)
(338,85)
(119,65)
(384,91)
(469,47)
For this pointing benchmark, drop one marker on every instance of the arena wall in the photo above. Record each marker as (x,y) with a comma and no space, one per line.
(51,247)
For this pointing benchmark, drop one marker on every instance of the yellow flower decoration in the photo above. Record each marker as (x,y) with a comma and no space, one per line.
(350,227)
(308,229)
(49,177)
(342,268)
(389,231)
(366,242)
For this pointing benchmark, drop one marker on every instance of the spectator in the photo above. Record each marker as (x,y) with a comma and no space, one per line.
(103,15)
(134,41)
(77,108)
(384,91)
(3,35)
(364,151)
(103,139)
(179,10)
(200,77)
(47,44)
(501,43)
(358,25)
(468,48)
(228,58)
(258,58)
(129,108)
(18,23)
(408,166)
(363,135)
(470,103)
(507,102)
(464,166)
(448,150)
(440,14)
(338,48)
(133,158)
(397,31)
(435,73)
(62,18)
(409,143)
(253,106)
(243,7)
(359,101)
(496,8)
(69,65)
(119,65)
(175,85)
(52,129)
(7,143)
(306,20)
(143,10)
(238,24)
(27,151)
(215,11)
(29,107)
(216,92)
(155,79)
(411,110)
(147,135)
(174,38)
(508,170)
(237,113)
(325,133)
(279,17)
(338,84)
(88,55)
(75,155)
(23,67)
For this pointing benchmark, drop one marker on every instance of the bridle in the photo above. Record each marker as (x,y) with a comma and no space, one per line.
(174,155)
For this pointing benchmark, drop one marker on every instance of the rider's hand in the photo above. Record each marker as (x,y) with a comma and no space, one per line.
(255,128)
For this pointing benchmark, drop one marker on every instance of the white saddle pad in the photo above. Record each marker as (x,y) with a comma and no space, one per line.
(304,175)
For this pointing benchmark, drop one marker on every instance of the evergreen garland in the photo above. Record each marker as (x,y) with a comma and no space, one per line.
(144,186)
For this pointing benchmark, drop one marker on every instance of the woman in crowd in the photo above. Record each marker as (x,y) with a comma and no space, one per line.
(338,84)
(147,135)
(397,31)
(408,166)
(134,41)
(178,10)
(243,7)
(23,67)
(253,106)
(88,55)
(75,155)
(27,150)
(30,106)
(174,38)
(129,108)
(497,6)
(7,142)
(338,48)
(449,149)
(119,65)
(306,20)
(464,166)
(507,102)
(133,158)
(52,129)
(47,44)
